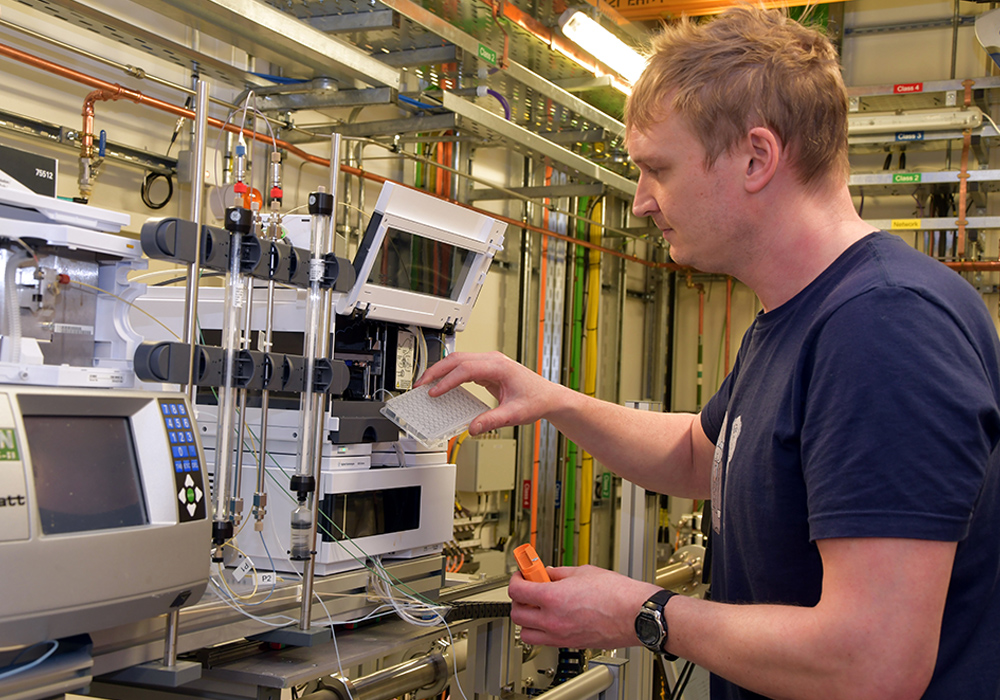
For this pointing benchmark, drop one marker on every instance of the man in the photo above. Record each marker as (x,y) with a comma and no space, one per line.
(850,456)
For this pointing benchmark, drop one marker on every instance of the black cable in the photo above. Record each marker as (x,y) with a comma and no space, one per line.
(175,280)
(151,177)
(682,680)
(147,184)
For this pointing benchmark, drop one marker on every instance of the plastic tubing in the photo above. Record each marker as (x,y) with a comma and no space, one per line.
(237,497)
(416,103)
(576,346)
(260,496)
(502,100)
(590,383)
(12,310)
(227,396)
(537,446)
(302,517)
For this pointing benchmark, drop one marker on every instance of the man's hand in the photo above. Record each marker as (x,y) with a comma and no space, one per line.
(583,607)
(524,396)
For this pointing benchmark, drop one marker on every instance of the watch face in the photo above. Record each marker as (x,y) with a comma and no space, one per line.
(647,629)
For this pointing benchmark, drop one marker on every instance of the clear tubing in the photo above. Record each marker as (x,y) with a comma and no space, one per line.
(260,496)
(12,309)
(323,229)
(227,396)
(237,498)
(307,425)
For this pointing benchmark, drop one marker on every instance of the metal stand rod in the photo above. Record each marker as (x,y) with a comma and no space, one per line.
(190,332)
(171,638)
(318,415)
(194,269)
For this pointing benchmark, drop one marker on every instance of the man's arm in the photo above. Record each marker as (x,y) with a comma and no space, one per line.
(874,633)
(664,452)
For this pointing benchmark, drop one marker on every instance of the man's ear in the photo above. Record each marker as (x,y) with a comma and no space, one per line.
(765,154)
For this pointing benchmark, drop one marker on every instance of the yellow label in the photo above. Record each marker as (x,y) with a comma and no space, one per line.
(906,223)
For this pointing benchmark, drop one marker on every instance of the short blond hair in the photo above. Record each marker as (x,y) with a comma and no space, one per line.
(749,67)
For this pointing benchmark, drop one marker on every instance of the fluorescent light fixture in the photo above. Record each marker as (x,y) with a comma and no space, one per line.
(864,123)
(586,33)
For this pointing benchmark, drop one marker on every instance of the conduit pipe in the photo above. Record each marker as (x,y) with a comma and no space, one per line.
(98,84)
(589,684)
(701,339)
(140,98)
(974,266)
(679,574)
(543,273)
(590,382)
(431,671)
(575,374)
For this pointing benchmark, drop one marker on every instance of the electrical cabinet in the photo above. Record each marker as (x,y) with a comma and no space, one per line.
(486,465)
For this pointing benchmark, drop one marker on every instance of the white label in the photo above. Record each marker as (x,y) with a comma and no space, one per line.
(72,329)
(242,570)
(405,357)
(317,268)
(267,578)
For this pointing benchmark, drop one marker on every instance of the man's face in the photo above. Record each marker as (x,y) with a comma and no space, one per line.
(692,205)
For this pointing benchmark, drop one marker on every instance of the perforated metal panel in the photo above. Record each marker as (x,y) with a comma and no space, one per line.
(588,127)
(121,30)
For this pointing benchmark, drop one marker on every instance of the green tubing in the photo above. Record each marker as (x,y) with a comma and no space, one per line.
(576,347)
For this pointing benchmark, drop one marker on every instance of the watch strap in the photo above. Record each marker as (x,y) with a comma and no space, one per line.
(658,601)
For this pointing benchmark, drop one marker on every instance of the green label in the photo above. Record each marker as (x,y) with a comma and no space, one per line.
(606,485)
(8,446)
(903,178)
(488,54)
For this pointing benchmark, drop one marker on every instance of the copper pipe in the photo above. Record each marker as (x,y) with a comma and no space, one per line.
(139,98)
(974,266)
(87,141)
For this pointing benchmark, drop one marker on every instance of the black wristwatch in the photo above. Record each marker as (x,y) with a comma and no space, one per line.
(651,623)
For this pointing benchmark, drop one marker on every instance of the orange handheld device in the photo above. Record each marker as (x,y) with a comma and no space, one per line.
(530,564)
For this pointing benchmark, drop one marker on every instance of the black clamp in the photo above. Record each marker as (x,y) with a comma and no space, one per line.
(320,204)
(169,239)
(338,273)
(168,362)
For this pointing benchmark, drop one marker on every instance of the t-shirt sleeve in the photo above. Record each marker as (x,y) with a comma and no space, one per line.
(713,413)
(894,440)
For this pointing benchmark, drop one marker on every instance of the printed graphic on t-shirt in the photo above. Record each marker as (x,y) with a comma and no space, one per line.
(720,446)
(719,467)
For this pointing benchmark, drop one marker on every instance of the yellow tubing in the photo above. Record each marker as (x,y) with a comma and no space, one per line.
(590,380)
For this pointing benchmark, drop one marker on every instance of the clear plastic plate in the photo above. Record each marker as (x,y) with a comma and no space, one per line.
(431,420)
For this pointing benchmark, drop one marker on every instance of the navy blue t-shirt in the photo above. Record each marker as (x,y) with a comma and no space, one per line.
(866,406)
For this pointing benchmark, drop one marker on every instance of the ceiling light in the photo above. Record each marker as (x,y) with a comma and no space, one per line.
(579,28)
(864,123)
